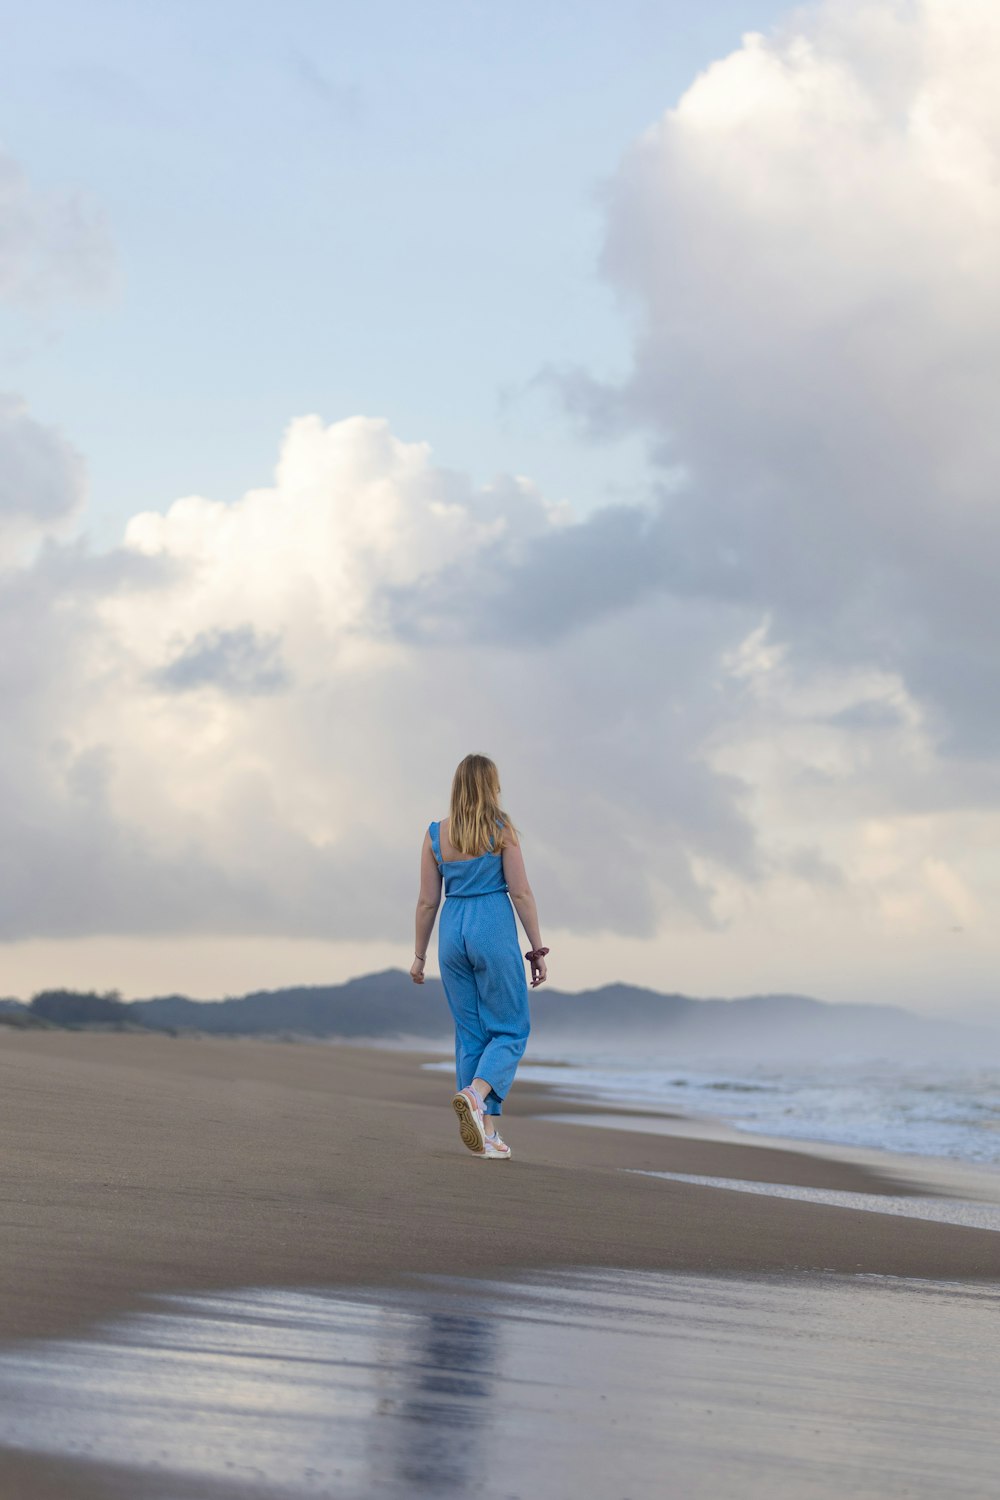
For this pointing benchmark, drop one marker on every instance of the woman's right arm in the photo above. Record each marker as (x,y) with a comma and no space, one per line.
(521,894)
(428,902)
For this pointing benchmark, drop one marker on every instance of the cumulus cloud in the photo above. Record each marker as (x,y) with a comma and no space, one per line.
(808,245)
(42,477)
(807,248)
(223,727)
(777,678)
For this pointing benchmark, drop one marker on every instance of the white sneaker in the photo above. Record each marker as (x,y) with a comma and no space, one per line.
(496,1148)
(470,1119)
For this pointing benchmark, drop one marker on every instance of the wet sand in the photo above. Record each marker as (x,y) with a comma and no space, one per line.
(617,1385)
(140,1166)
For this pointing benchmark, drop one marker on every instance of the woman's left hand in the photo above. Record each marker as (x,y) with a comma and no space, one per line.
(417,971)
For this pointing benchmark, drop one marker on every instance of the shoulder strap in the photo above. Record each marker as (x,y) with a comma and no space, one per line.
(435,832)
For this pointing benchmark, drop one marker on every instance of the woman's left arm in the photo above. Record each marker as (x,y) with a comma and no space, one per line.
(427,905)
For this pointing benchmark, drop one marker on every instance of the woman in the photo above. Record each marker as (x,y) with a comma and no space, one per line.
(475,851)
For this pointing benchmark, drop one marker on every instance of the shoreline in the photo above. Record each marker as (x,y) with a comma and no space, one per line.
(137,1165)
(921,1173)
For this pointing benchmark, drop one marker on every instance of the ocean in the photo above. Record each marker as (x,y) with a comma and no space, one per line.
(926,1109)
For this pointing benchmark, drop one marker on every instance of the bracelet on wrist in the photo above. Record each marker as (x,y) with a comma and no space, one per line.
(422,956)
(534,953)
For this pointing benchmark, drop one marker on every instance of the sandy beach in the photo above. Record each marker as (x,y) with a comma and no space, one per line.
(138,1166)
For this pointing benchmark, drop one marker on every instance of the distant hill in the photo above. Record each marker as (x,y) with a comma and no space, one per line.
(616,1019)
(385,1005)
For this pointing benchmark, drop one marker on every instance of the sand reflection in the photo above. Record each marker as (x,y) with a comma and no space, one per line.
(591,1384)
(437,1404)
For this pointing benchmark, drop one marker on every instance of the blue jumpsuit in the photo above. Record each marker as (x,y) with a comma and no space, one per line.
(482,971)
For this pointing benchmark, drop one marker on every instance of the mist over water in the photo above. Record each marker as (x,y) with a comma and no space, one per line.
(784,1065)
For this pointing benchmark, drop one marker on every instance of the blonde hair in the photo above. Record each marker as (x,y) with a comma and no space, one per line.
(475,811)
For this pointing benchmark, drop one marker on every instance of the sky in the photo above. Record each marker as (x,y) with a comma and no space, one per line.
(608,389)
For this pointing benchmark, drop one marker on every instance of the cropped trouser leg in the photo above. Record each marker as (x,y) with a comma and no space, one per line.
(483,976)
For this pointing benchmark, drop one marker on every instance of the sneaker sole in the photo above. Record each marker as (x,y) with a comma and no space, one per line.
(471,1131)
